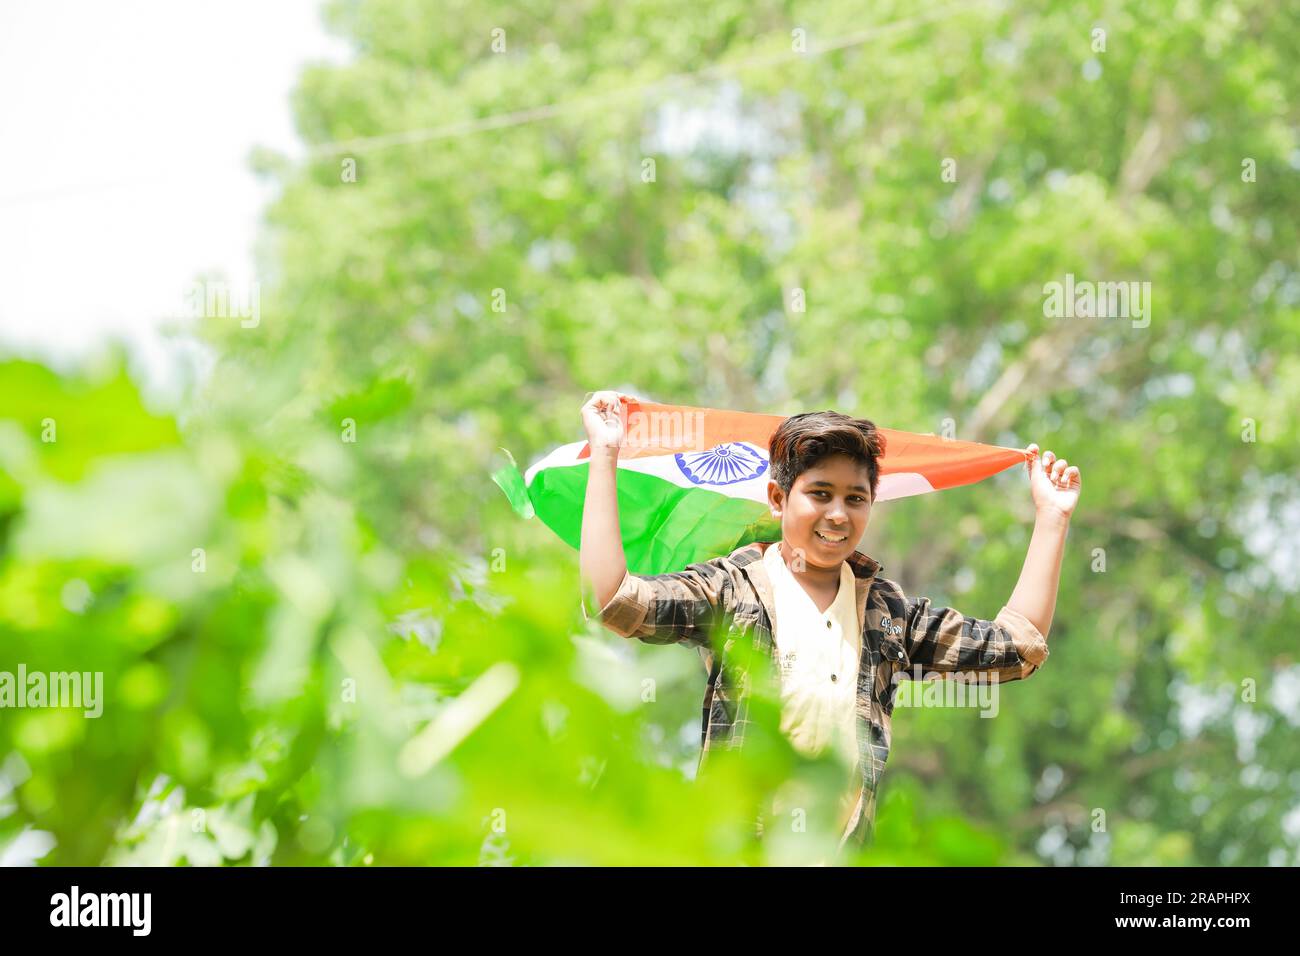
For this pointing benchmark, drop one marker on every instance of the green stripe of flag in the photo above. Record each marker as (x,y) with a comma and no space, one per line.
(665,527)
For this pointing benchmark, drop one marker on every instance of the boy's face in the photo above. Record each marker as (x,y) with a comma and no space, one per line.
(826,512)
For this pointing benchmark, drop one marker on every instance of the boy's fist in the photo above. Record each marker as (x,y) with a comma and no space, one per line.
(1054,486)
(605,418)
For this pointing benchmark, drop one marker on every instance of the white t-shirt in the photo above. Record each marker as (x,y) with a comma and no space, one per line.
(818,654)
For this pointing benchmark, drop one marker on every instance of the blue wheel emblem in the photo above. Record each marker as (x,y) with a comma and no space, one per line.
(723,464)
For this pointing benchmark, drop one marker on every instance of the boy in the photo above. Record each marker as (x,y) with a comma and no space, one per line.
(838,633)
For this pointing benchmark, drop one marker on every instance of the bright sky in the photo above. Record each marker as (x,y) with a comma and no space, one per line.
(125,131)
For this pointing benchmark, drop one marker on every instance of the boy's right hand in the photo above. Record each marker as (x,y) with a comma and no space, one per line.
(604,417)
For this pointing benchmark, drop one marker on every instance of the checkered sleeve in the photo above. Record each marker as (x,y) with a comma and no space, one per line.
(680,607)
(944,640)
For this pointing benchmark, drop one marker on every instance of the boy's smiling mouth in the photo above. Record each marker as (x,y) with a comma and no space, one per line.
(831,539)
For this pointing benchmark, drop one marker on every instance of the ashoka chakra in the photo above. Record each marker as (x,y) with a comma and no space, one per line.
(723,464)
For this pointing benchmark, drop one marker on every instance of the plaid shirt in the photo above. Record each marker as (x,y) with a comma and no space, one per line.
(715,602)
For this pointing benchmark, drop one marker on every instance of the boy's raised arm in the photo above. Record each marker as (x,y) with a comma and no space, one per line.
(601,560)
(678,607)
(1055,490)
(1014,643)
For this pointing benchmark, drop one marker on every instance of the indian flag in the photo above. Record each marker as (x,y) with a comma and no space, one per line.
(692,482)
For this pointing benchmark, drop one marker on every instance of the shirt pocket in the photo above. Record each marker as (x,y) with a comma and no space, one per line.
(890,670)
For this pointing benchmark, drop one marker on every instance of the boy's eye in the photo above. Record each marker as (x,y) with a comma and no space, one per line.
(823,494)
(857,498)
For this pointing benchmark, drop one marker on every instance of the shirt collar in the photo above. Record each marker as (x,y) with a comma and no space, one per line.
(750,560)
(862,565)
(775,564)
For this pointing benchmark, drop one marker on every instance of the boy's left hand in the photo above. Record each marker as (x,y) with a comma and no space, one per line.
(1053,482)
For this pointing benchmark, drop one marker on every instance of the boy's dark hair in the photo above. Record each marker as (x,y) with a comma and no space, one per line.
(804,441)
